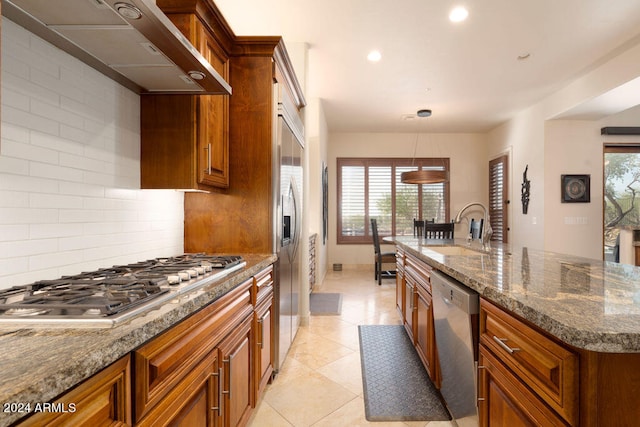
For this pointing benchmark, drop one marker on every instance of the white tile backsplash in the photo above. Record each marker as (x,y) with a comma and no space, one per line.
(70,169)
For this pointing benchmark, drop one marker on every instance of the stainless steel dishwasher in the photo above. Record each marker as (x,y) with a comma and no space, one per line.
(454,306)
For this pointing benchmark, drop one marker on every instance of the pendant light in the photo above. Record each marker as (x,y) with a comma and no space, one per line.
(423,176)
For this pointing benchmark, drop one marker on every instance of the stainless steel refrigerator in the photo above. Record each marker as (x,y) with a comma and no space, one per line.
(288,189)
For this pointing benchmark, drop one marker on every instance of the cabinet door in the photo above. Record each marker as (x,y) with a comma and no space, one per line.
(213,118)
(103,399)
(236,356)
(264,349)
(504,401)
(425,334)
(192,402)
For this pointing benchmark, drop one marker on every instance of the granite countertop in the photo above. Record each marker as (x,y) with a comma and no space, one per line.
(39,364)
(586,303)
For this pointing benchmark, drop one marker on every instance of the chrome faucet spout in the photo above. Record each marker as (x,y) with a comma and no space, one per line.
(487,231)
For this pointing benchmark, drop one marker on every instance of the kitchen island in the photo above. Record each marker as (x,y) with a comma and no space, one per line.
(39,364)
(581,316)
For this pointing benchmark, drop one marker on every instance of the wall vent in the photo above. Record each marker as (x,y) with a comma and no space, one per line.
(620,130)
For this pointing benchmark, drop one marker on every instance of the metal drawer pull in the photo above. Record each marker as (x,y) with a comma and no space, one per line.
(228,392)
(219,407)
(208,150)
(501,343)
(261,323)
(478,398)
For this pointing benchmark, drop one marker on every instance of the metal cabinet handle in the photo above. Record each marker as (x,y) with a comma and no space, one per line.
(261,323)
(208,150)
(479,399)
(228,392)
(220,400)
(501,343)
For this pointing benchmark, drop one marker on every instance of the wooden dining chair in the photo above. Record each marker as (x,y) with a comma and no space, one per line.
(381,258)
(440,230)
(418,227)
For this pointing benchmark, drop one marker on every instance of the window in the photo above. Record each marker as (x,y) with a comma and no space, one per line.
(498,198)
(621,192)
(371,188)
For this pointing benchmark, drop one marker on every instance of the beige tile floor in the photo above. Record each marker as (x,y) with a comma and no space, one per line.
(320,383)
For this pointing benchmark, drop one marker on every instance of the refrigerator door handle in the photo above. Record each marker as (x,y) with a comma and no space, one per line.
(295,221)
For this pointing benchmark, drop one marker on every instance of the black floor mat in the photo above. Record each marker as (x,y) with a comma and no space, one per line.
(396,385)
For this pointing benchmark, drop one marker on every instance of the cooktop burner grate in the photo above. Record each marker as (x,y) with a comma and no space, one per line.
(81,297)
(117,292)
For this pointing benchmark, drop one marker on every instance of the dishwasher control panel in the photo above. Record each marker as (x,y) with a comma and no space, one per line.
(455,293)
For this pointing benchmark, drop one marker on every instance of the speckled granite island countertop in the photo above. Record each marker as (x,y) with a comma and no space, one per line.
(38,364)
(586,303)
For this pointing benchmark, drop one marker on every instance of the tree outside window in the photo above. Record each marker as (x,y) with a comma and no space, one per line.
(621,193)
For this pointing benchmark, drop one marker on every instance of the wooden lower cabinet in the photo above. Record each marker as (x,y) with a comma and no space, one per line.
(210,369)
(194,401)
(503,400)
(236,355)
(103,399)
(217,392)
(413,300)
(165,363)
(264,344)
(548,368)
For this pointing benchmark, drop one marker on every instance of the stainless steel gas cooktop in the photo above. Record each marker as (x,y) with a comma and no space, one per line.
(106,297)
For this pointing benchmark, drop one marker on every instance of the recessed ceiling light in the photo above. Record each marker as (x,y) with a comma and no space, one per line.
(458,14)
(374,56)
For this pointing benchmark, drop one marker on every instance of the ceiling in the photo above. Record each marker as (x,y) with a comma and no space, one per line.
(468,73)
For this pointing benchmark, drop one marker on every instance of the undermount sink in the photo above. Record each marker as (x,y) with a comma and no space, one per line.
(455,250)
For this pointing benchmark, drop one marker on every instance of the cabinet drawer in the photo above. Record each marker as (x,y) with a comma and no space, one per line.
(193,401)
(546,367)
(504,401)
(263,284)
(420,271)
(103,399)
(164,362)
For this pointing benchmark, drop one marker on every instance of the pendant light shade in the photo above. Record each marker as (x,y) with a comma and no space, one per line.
(424,177)
(428,176)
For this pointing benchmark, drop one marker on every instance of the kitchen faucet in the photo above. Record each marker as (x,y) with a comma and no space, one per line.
(487,231)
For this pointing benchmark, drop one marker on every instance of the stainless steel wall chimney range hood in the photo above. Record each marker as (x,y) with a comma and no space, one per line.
(130,41)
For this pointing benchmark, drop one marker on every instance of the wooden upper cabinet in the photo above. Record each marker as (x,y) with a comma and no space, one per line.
(185,138)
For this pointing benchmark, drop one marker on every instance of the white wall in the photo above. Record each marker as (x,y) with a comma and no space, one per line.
(69,169)
(552,148)
(576,147)
(469,169)
(317,139)
(524,141)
